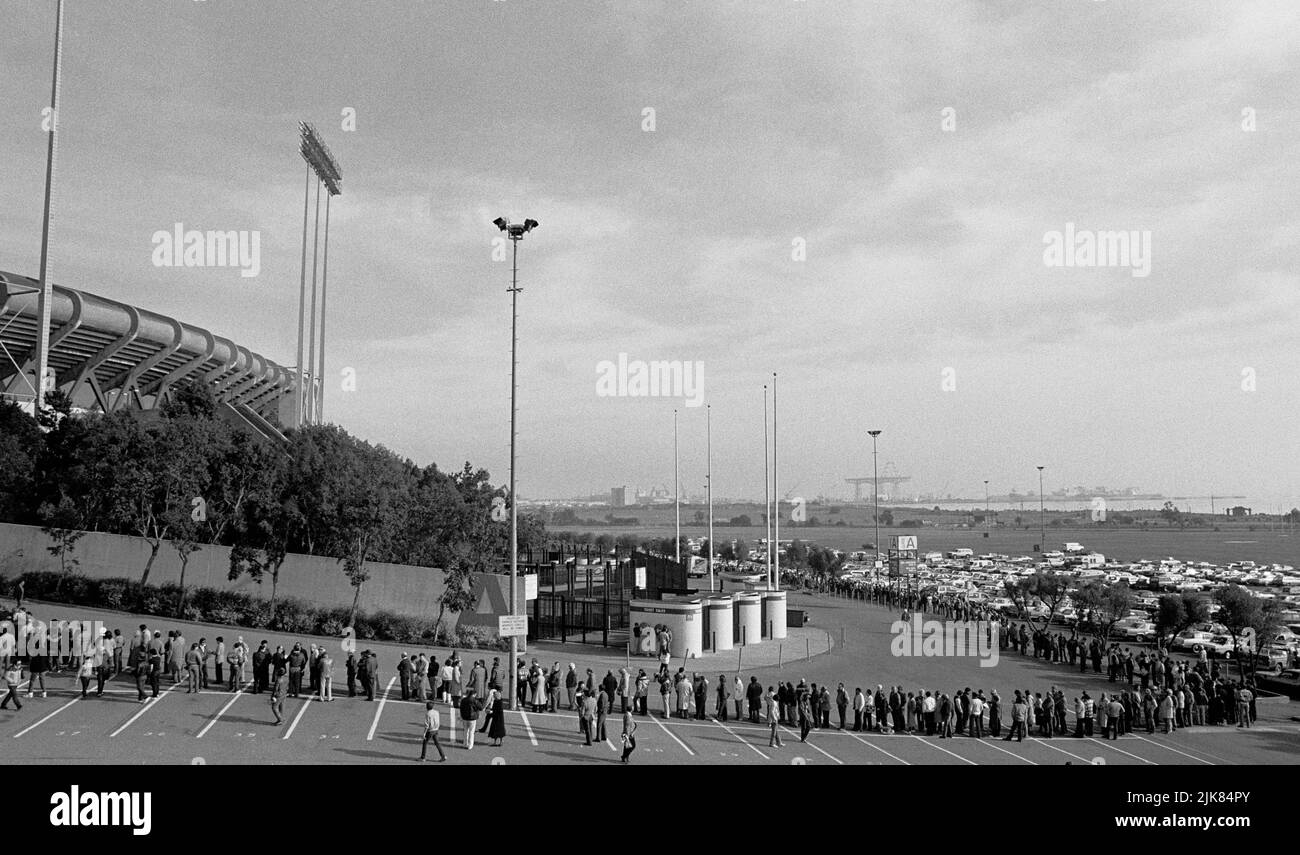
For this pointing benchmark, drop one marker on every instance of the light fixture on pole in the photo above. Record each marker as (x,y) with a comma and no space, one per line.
(515,232)
(46,295)
(1042,537)
(988,519)
(875,496)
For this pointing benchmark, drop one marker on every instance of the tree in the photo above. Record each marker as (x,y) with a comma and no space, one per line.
(1170,514)
(1176,613)
(1238,610)
(887,517)
(183,535)
(64,524)
(1052,589)
(1106,605)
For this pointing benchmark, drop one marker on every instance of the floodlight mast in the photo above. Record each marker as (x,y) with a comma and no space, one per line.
(321,162)
(516,232)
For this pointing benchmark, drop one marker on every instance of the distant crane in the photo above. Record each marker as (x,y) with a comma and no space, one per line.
(889,477)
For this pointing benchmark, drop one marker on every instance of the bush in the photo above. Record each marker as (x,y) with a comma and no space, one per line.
(235,608)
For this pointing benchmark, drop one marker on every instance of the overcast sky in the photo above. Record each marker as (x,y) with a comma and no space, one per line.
(776,124)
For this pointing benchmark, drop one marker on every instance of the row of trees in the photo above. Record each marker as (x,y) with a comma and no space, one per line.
(182,477)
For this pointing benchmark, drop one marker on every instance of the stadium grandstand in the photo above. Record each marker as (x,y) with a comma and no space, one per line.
(106,355)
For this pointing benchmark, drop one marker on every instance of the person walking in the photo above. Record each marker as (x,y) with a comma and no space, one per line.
(629,734)
(431,724)
(10,679)
(805,713)
(279,689)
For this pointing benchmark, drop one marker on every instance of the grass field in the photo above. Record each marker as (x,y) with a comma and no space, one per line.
(1219,547)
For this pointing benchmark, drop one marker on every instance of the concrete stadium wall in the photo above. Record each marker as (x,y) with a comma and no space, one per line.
(315,579)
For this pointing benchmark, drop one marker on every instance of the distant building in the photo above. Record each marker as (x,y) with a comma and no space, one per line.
(618,497)
(1238,511)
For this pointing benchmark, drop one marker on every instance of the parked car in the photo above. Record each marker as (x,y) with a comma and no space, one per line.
(1192,640)
(1133,629)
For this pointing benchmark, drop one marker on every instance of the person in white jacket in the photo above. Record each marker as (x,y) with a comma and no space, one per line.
(738,695)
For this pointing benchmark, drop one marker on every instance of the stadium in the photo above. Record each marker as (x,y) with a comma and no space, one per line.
(106,355)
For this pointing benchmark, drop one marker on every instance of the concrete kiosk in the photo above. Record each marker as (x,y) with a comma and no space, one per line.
(749,620)
(774,625)
(684,619)
(720,623)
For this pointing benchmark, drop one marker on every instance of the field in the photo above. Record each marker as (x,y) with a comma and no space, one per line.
(1218,547)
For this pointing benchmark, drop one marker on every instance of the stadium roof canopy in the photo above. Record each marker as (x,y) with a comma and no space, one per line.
(107,355)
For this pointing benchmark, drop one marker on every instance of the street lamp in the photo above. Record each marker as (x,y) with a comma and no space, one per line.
(515,232)
(1042,538)
(988,521)
(875,496)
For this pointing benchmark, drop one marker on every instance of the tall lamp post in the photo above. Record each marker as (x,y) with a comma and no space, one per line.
(515,232)
(1042,537)
(45,296)
(875,496)
(988,519)
(708,466)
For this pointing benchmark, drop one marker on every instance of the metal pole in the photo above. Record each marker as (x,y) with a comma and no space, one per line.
(767,496)
(988,519)
(774,583)
(677,498)
(1042,537)
(875,490)
(514,502)
(47,289)
(302,300)
(708,453)
(324,278)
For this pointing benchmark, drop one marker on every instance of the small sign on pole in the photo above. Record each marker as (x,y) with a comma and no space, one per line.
(510,625)
(640,578)
(530,586)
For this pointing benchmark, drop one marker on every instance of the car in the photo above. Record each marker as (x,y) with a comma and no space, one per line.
(1134,630)
(1191,640)
(1273,658)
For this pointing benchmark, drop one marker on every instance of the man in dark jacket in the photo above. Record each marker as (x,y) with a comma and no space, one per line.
(363,674)
(841,703)
(352,674)
(297,662)
(373,671)
(754,695)
(404,674)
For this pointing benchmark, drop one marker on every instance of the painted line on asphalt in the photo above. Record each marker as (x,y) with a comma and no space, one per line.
(990,744)
(814,746)
(233,697)
(925,741)
(878,748)
(528,728)
(743,741)
(1106,742)
(1175,750)
(380,711)
(46,718)
(673,735)
(149,704)
(1062,750)
(297,718)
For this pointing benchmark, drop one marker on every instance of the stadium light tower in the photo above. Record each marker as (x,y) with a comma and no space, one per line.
(322,163)
(516,232)
(46,293)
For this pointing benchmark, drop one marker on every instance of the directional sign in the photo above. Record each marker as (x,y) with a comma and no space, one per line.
(530,586)
(905,542)
(508,625)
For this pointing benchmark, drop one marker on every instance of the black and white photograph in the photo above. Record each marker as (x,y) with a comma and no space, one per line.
(403,386)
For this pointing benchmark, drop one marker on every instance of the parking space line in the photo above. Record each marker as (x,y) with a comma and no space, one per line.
(1106,742)
(380,711)
(46,718)
(877,747)
(990,744)
(814,746)
(528,728)
(1062,750)
(673,735)
(234,697)
(298,717)
(741,738)
(1175,750)
(944,750)
(150,704)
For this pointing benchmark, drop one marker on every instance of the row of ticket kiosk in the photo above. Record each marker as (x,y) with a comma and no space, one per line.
(710,622)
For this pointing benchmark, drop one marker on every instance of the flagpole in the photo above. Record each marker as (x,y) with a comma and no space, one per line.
(774,582)
(677,497)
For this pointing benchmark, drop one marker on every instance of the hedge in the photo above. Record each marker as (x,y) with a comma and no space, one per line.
(235,608)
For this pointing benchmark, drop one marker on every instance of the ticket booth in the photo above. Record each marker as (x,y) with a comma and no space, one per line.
(684,619)
(774,615)
(719,627)
(749,619)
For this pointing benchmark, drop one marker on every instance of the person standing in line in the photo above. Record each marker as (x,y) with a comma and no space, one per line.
(404,675)
(421,674)
(571,687)
(738,695)
(192,662)
(220,658)
(720,710)
(85,672)
(587,713)
(805,714)
(841,703)
(642,705)
(351,666)
(628,736)
(603,705)
(1244,698)
(859,704)
(325,665)
(203,664)
(469,717)
(37,665)
(497,733)
(945,717)
(773,714)
(1019,711)
(431,724)
(1116,713)
(975,726)
(279,689)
